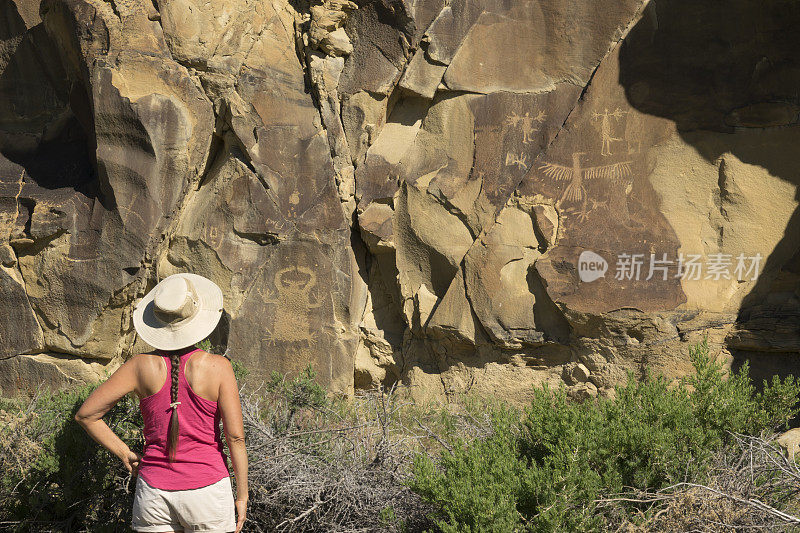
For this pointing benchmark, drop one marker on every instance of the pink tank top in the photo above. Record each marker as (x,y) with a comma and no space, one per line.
(199,458)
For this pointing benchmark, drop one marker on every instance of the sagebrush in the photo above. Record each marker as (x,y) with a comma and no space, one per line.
(656,456)
(548,471)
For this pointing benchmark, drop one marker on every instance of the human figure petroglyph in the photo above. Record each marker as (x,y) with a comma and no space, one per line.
(636,129)
(294,301)
(606,129)
(525,123)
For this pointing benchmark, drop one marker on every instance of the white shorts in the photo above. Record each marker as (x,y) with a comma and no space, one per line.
(208,508)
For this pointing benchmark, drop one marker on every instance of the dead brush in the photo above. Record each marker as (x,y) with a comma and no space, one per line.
(318,465)
(19,446)
(751,486)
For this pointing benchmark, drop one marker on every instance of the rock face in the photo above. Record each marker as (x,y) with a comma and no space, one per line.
(476,195)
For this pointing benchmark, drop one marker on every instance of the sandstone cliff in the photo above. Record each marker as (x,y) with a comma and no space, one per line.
(401,190)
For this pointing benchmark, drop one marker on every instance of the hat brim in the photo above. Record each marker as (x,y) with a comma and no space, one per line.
(188,332)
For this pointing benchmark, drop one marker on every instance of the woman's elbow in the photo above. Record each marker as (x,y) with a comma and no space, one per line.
(235,438)
(81,418)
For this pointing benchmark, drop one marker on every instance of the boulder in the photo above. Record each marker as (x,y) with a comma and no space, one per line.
(478,195)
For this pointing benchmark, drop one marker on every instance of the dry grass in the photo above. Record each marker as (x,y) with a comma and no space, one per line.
(19,447)
(752,486)
(331,467)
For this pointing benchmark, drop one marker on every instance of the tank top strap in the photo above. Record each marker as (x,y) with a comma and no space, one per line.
(182,361)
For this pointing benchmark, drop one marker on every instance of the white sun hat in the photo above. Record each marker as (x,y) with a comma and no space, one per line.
(181,310)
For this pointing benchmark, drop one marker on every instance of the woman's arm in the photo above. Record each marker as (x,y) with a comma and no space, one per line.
(99,402)
(231,413)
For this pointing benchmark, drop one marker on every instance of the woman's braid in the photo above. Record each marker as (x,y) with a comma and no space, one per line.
(176,361)
(172,438)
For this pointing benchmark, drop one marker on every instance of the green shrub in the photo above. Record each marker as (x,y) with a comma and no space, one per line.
(239,371)
(733,404)
(299,392)
(478,482)
(545,472)
(70,482)
(646,437)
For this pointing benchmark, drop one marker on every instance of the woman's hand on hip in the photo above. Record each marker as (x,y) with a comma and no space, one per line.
(241,512)
(131,461)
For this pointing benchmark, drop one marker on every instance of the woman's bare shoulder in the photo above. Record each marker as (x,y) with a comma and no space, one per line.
(149,371)
(209,358)
(146,361)
(211,363)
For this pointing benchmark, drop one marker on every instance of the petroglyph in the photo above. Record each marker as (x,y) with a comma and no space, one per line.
(597,204)
(606,128)
(575,190)
(213,235)
(294,302)
(525,123)
(294,200)
(131,210)
(520,160)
